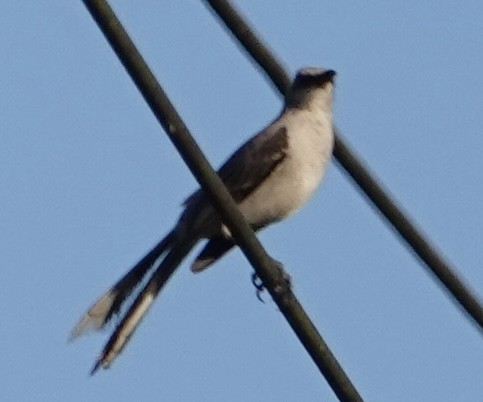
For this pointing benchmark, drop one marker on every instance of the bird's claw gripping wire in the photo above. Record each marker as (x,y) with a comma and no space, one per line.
(258,283)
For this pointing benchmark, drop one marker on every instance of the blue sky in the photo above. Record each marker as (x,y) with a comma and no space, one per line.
(90,182)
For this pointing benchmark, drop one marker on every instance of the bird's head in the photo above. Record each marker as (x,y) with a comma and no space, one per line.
(311,88)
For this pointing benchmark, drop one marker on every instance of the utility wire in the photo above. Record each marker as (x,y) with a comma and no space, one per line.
(269,271)
(353,166)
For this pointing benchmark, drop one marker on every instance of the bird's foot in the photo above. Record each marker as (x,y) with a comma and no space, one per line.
(282,285)
(258,283)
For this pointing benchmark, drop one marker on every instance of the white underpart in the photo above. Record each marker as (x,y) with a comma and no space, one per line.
(310,143)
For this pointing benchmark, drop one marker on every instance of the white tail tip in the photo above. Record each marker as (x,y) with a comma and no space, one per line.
(95,318)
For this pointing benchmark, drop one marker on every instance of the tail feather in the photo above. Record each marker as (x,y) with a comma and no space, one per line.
(140,306)
(110,303)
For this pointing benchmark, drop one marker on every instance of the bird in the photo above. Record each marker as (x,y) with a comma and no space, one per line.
(269,177)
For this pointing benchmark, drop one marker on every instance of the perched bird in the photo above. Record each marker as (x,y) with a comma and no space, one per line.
(269,177)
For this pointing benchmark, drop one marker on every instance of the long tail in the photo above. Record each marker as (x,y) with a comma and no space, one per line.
(141,304)
(110,302)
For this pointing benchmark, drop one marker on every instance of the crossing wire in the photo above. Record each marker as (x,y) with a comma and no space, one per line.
(356,170)
(270,271)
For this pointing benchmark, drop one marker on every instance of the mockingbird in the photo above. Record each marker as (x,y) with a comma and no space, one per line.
(270,176)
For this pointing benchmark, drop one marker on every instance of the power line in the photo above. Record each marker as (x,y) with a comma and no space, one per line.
(270,271)
(353,166)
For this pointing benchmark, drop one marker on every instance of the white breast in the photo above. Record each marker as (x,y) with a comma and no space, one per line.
(310,142)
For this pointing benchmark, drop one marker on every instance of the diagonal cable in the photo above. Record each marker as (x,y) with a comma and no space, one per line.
(359,173)
(266,268)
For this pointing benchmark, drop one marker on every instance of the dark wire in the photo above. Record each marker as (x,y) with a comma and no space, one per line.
(266,268)
(353,166)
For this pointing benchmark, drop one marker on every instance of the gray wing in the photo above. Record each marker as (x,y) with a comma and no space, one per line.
(242,173)
(249,166)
